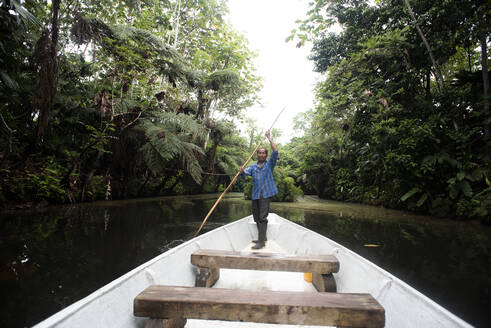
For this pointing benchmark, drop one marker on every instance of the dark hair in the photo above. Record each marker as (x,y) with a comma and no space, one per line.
(265,149)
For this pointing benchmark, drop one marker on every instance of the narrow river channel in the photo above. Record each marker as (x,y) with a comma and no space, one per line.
(53,257)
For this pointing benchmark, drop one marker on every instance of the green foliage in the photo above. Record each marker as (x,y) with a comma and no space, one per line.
(287,191)
(139,88)
(46,183)
(170,138)
(97,188)
(248,188)
(209,186)
(382,131)
(219,79)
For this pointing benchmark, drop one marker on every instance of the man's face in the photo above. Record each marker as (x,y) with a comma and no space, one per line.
(261,155)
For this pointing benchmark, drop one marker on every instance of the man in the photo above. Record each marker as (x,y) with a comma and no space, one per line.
(263,188)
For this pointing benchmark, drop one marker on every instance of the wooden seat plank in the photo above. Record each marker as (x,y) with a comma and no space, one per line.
(301,308)
(322,264)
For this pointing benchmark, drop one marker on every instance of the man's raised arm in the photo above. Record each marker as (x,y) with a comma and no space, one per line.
(273,146)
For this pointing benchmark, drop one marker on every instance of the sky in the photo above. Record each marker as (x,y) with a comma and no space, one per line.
(288,77)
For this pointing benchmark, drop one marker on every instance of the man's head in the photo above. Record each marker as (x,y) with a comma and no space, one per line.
(262,153)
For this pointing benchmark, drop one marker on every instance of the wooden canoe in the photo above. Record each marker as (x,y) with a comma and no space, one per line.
(112,305)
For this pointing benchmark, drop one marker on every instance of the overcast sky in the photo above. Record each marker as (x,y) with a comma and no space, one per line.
(288,76)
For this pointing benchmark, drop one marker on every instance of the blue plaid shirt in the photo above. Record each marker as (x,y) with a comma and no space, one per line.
(263,185)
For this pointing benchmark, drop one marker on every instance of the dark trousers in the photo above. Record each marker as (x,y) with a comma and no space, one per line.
(260,210)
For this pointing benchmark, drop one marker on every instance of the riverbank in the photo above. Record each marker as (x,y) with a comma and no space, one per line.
(366,212)
(305,202)
(42,206)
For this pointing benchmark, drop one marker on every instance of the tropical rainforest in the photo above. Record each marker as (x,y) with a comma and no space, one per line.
(135,98)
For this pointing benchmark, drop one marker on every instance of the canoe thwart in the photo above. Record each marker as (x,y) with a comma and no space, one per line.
(322,264)
(206,277)
(263,306)
(324,282)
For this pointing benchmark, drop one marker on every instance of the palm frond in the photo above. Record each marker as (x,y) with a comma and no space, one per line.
(8,81)
(152,158)
(166,59)
(171,137)
(219,79)
(190,161)
(228,163)
(24,13)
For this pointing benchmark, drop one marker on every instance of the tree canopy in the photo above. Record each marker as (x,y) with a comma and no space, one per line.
(402,117)
(117,98)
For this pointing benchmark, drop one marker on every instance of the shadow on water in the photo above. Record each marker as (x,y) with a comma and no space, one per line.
(50,259)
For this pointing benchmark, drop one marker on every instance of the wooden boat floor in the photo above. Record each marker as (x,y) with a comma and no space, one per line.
(257,280)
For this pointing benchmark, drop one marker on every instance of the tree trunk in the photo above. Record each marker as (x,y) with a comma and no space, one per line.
(178,13)
(213,155)
(469,58)
(202,101)
(47,56)
(485,79)
(438,75)
(90,176)
(428,84)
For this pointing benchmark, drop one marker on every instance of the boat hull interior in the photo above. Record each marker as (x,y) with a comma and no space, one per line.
(112,305)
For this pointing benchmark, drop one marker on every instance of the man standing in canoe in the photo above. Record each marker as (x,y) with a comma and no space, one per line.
(263,188)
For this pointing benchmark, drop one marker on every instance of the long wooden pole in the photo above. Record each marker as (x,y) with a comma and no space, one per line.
(235,177)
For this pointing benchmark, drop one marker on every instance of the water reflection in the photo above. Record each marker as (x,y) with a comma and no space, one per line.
(448,262)
(53,258)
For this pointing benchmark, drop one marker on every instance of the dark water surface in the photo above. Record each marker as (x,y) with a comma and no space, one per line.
(52,258)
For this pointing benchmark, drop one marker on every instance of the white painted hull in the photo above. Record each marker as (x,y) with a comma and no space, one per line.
(112,305)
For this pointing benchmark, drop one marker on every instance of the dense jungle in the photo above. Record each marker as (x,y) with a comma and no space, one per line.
(128,98)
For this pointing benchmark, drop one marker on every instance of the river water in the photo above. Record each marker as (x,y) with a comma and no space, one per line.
(53,257)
